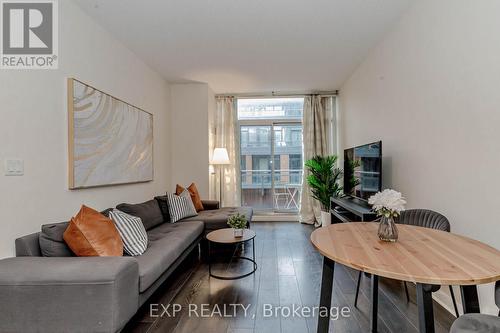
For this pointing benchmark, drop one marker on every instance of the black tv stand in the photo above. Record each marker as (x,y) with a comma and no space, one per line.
(352,210)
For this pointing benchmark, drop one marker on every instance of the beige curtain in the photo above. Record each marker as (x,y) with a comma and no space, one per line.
(318,123)
(226,135)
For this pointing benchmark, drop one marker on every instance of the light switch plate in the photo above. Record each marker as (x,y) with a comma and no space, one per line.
(14,167)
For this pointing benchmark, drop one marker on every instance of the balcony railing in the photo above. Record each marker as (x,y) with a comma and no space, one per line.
(258,192)
(263,178)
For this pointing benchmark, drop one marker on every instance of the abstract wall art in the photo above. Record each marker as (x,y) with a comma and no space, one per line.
(110,141)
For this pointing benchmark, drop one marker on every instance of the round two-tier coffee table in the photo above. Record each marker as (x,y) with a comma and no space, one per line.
(226,236)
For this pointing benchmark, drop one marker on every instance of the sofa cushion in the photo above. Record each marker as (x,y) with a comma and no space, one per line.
(217,218)
(90,233)
(148,211)
(163,203)
(166,244)
(51,240)
(210,204)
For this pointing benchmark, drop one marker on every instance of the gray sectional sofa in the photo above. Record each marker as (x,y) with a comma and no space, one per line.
(64,293)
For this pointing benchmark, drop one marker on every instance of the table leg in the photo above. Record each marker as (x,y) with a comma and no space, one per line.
(325,299)
(374,303)
(253,250)
(209,260)
(470,300)
(425,310)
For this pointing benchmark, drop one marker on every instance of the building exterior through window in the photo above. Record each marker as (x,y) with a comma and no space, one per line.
(271,153)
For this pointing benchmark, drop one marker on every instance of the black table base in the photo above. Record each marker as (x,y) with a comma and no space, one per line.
(374,303)
(425,309)
(325,299)
(252,260)
(470,300)
(469,294)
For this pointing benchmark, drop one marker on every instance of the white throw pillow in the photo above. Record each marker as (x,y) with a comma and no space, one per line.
(180,206)
(132,232)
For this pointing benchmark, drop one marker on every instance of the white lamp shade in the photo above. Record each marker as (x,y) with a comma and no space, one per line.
(220,156)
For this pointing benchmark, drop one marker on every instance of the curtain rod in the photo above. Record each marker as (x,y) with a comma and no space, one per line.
(280,94)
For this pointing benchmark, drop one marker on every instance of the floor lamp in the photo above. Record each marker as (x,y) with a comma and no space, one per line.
(220,157)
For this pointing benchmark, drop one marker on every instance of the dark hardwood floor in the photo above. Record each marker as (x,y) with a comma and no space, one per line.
(289,272)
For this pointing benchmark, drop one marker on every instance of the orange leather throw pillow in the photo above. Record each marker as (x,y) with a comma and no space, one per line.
(90,234)
(195,195)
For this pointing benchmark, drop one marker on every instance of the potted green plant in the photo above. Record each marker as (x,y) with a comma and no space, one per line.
(323,180)
(238,222)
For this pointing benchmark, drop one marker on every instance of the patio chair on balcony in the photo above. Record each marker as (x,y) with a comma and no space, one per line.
(281,195)
(294,196)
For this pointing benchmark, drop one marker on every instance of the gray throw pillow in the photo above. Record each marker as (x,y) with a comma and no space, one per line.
(148,211)
(51,240)
(163,203)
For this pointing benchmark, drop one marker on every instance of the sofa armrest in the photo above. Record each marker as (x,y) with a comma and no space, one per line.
(67,294)
(210,204)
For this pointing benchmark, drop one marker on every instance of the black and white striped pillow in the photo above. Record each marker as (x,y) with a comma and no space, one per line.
(180,206)
(132,232)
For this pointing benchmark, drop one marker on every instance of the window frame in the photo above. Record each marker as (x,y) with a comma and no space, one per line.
(272,122)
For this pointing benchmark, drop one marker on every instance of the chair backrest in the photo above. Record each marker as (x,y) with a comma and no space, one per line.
(280,187)
(424,218)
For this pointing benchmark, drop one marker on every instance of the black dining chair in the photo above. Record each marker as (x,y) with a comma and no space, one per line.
(422,218)
(477,322)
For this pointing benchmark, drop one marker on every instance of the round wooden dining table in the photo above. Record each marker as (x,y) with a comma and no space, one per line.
(427,257)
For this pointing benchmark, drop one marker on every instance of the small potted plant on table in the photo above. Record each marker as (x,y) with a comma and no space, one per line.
(238,222)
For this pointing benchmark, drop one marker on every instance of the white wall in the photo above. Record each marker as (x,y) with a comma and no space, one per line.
(33,127)
(430,91)
(190,116)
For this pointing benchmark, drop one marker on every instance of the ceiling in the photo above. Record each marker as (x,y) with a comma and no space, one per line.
(243,46)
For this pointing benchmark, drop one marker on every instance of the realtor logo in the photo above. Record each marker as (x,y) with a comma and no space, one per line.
(29,34)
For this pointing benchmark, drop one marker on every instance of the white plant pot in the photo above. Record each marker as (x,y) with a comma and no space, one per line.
(326,219)
(238,233)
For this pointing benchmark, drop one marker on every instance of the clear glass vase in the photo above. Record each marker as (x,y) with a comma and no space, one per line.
(387,230)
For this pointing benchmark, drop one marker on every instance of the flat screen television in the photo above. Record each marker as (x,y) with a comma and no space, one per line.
(363,170)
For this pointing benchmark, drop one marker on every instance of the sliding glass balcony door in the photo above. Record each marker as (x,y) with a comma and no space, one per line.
(287,174)
(271,155)
(256,167)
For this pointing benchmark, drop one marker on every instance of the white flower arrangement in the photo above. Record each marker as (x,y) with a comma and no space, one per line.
(388,203)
